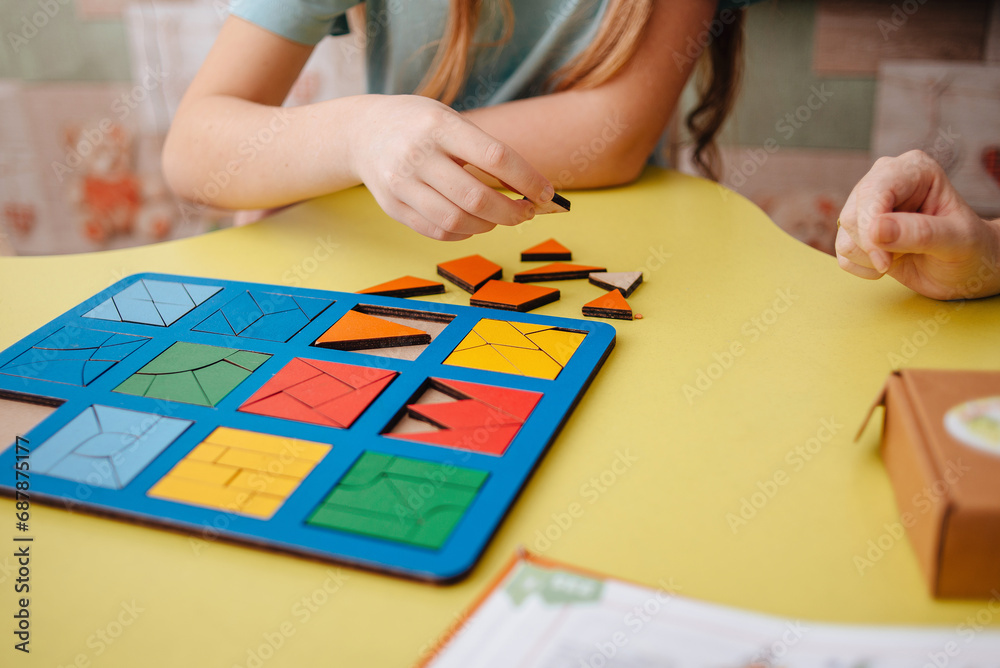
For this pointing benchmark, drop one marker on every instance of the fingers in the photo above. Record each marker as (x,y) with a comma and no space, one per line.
(445,214)
(413,219)
(856,269)
(919,233)
(473,196)
(847,249)
(473,146)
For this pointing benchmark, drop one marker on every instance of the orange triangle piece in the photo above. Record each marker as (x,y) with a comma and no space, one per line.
(557,271)
(407,286)
(513,296)
(360,331)
(546,251)
(610,305)
(470,273)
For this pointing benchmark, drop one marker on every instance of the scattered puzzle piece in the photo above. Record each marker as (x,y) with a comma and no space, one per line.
(547,251)
(106,447)
(152,302)
(624,282)
(319,392)
(519,348)
(241,472)
(360,331)
(192,373)
(480,418)
(513,296)
(558,204)
(399,499)
(73,355)
(470,273)
(610,305)
(557,271)
(267,316)
(407,286)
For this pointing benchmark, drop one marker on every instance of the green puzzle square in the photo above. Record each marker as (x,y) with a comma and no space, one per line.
(192,373)
(399,499)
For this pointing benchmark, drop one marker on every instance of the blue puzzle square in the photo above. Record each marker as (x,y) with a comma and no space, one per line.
(73,355)
(106,447)
(152,302)
(267,316)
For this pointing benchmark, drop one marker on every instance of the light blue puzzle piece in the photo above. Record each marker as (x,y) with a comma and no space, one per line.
(105,446)
(164,292)
(215,324)
(270,302)
(276,327)
(242,312)
(138,311)
(266,316)
(106,310)
(171,313)
(200,293)
(135,291)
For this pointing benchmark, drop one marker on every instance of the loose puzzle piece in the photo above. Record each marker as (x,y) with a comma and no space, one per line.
(73,355)
(624,282)
(106,447)
(267,316)
(519,348)
(407,286)
(546,251)
(513,296)
(241,472)
(360,331)
(319,392)
(193,373)
(558,204)
(557,271)
(610,305)
(470,273)
(152,302)
(399,499)
(467,416)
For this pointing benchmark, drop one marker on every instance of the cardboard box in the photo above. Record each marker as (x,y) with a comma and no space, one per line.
(941,448)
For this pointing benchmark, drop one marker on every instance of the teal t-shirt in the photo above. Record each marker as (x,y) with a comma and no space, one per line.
(403,35)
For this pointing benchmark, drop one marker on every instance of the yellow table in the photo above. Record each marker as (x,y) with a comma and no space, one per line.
(678,435)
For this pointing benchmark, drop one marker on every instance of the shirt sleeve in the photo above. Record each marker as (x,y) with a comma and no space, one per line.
(303,21)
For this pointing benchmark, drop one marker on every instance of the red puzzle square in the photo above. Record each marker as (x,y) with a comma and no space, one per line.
(326,393)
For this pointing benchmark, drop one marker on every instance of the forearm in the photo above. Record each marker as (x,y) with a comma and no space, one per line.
(237,154)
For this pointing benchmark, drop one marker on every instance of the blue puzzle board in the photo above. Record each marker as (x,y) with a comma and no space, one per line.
(326,481)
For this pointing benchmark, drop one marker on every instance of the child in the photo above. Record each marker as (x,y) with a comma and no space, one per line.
(533,85)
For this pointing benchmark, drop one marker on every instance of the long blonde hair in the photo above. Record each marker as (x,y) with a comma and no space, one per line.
(614,44)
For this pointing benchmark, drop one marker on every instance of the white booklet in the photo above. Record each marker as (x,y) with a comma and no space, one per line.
(545,614)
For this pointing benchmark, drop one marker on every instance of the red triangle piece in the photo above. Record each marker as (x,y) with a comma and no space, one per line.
(285,407)
(319,390)
(518,403)
(476,439)
(347,408)
(355,376)
(293,373)
(467,413)
(407,286)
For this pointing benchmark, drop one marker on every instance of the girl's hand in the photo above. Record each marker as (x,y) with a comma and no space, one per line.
(411,152)
(905,219)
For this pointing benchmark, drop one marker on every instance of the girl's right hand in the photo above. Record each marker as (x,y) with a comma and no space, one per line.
(411,152)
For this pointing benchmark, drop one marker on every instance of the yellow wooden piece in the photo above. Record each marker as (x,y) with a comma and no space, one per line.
(667,453)
(559,344)
(531,362)
(263,505)
(528,328)
(176,488)
(210,473)
(254,461)
(471,340)
(265,483)
(500,332)
(485,358)
(206,452)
